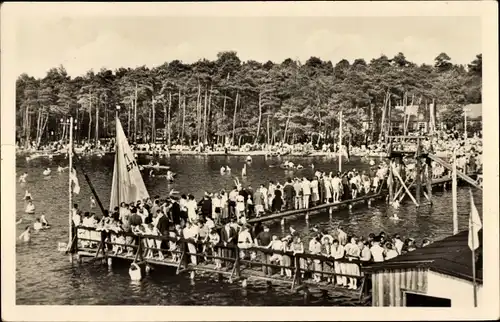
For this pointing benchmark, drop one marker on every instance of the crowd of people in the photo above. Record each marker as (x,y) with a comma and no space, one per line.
(219,220)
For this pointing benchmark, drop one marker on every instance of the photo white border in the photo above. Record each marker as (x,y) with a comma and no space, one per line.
(487,10)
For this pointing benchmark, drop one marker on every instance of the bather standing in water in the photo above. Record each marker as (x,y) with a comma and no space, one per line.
(26,235)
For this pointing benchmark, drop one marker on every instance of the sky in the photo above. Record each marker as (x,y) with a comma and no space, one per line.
(81,43)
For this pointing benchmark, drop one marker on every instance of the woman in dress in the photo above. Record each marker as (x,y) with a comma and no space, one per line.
(338,253)
(297,247)
(315,249)
(285,259)
(352,253)
(326,251)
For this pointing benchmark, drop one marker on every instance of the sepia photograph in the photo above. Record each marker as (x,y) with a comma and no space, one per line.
(241,155)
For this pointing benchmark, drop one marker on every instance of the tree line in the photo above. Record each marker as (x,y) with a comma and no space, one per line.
(253,102)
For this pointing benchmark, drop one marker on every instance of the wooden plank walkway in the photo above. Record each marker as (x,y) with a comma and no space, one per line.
(334,207)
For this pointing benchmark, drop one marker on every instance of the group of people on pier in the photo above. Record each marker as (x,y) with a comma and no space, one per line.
(205,238)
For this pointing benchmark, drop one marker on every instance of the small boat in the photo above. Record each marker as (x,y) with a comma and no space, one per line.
(149,166)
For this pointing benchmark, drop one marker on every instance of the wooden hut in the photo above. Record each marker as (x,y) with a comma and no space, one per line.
(438,275)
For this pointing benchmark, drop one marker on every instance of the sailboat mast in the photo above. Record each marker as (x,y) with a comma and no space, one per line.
(70,193)
(117,157)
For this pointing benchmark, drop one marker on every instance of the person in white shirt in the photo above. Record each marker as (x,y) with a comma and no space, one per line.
(391,252)
(232,201)
(76,215)
(314,191)
(377,251)
(315,248)
(265,193)
(306,190)
(224,205)
(244,241)
(191,233)
(398,243)
(191,209)
(270,193)
(216,207)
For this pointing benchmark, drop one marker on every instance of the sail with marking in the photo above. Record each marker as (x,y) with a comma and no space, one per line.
(128,185)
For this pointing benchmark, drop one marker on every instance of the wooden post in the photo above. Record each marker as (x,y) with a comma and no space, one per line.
(429,180)
(454,193)
(390,183)
(418,179)
(340,142)
(70,192)
(406,188)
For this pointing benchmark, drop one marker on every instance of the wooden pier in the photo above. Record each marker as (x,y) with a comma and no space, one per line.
(237,268)
(333,207)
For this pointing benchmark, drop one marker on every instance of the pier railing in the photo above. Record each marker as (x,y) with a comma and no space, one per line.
(136,248)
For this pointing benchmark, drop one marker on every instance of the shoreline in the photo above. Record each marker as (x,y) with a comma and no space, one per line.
(222,153)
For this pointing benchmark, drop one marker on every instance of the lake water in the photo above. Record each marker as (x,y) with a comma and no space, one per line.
(45,276)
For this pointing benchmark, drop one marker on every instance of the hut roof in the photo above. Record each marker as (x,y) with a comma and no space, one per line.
(451,256)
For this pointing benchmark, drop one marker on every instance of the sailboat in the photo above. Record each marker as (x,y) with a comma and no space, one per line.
(127,185)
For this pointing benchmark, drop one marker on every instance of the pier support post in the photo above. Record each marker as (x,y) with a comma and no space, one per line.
(283,222)
(390,183)
(244,283)
(418,178)
(191,275)
(350,206)
(369,203)
(429,180)
(307,216)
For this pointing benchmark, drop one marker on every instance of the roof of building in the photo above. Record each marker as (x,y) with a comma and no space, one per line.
(451,256)
(410,109)
(474,111)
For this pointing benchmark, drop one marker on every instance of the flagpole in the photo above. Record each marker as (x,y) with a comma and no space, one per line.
(474,274)
(340,142)
(70,192)
(454,193)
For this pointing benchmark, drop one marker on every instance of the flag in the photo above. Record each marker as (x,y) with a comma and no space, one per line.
(474,225)
(74,180)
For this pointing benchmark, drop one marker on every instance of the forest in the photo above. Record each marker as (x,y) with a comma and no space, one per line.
(242,101)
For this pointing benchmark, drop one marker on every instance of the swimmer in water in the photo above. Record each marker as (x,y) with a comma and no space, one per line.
(26,236)
(228,169)
(46,172)
(27,196)
(22,177)
(45,223)
(30,207)
(151,173)
(19,221)
(37,225)
(222,170)
(372,163)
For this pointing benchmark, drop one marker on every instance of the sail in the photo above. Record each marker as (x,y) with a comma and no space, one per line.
(128,185)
